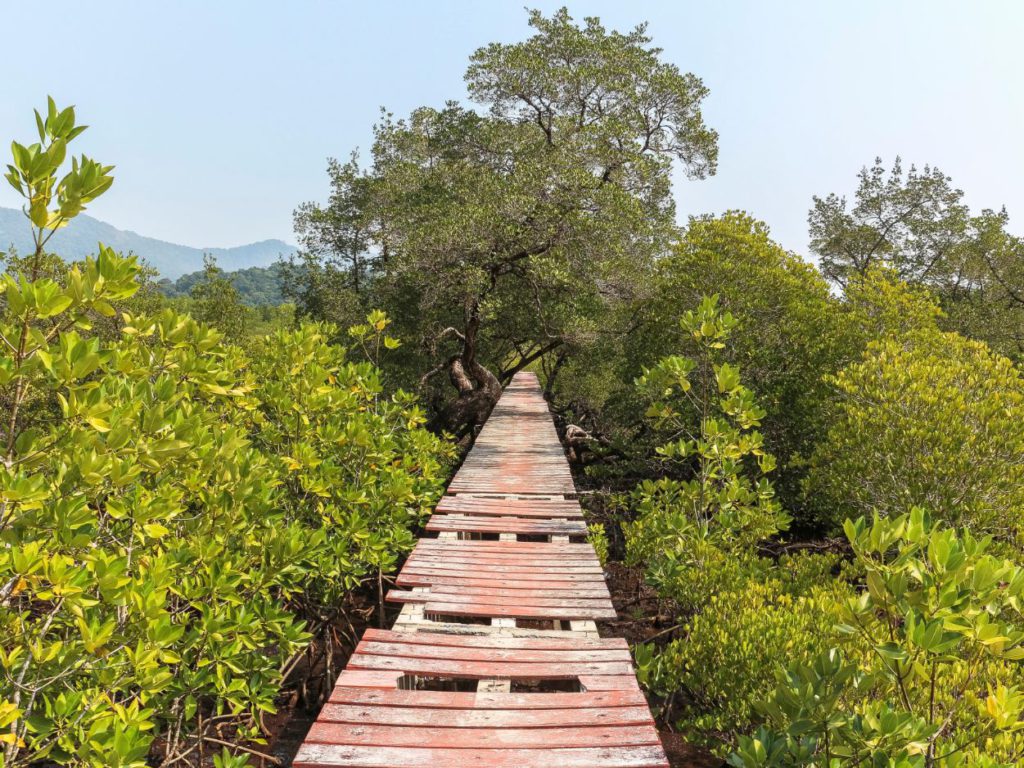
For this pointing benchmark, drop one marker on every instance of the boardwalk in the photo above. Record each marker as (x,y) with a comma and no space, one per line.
(495,658)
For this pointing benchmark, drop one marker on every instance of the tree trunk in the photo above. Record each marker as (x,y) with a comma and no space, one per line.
(478,388)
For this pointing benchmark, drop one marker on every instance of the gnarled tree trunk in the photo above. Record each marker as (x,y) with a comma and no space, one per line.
(478,388)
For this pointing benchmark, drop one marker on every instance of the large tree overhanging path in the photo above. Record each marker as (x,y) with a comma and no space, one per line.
(498,234)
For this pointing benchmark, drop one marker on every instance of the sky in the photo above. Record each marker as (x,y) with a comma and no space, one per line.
(220,116)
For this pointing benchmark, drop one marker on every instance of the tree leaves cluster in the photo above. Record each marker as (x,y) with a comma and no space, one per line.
(932,677)
(177,518)
(917,224)
(927,419)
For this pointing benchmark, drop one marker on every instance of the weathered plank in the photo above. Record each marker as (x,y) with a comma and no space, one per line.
(344,756)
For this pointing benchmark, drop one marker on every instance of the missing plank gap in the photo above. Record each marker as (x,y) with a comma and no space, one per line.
(472,684)
(542,538)
(448,684)
(554,685)
(478,536)
(537,624)
(446,618)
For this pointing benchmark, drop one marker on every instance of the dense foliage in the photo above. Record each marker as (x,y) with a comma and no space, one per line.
(697,527)
(908,654)
(176,518)
(927,419)
(917,224)
(930,675)
(256,286)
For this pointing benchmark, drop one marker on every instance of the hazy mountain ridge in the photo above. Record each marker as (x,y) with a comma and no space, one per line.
(172,260)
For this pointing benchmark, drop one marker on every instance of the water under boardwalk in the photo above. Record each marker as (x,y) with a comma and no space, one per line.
(495,659)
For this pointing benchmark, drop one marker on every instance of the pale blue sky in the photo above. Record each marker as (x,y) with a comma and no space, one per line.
(220,115)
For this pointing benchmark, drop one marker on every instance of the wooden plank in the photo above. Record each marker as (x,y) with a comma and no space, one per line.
(497,556)
(420,580)
(563,612)
(530,670)
(394,698)
(502,560)
(506,524)
(474,717)
(473,653)
(370,734)
(565,642)
(515,570)
(534,508)
(517,547)
(340,756)
(533,597)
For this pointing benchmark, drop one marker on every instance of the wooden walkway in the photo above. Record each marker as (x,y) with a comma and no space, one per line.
(495,658)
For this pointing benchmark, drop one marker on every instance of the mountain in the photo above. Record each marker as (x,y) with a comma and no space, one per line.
(79,240)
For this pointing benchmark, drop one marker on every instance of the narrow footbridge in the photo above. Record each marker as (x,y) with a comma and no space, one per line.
(495,658)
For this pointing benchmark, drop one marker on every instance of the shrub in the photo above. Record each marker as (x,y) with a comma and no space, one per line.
(696,527)
(354,465)
(928,419)
(171,513)
(944,621)
(726,656)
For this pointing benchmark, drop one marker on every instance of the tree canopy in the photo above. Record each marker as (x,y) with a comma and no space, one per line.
(505,226)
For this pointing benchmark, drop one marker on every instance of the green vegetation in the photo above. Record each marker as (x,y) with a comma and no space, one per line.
(929,677)
(178,518)
(256,286)
(816,475)
(696,527)
(927,419)
(918,225)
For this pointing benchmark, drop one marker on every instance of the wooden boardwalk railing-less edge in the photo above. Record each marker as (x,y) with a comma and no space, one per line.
(495,658)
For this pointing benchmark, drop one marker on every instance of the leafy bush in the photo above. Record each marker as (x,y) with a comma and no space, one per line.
(880,304)
(944,621)
(354,465)
(727,654)
(165,503)
(927,419)
(696,534)
(697,527)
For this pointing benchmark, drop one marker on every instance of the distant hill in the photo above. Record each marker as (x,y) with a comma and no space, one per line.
(79,239)
(257,286)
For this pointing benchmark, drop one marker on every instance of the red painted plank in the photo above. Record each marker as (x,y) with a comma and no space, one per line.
(534,508)
(569,641)
(531,597)
(518,547)
(481,738)
(469,653)
(530,670)
(334,756)
(484,718)
(394,698)
(526,566)
(507,525)
(528,611)
(498,556)
(419,580)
